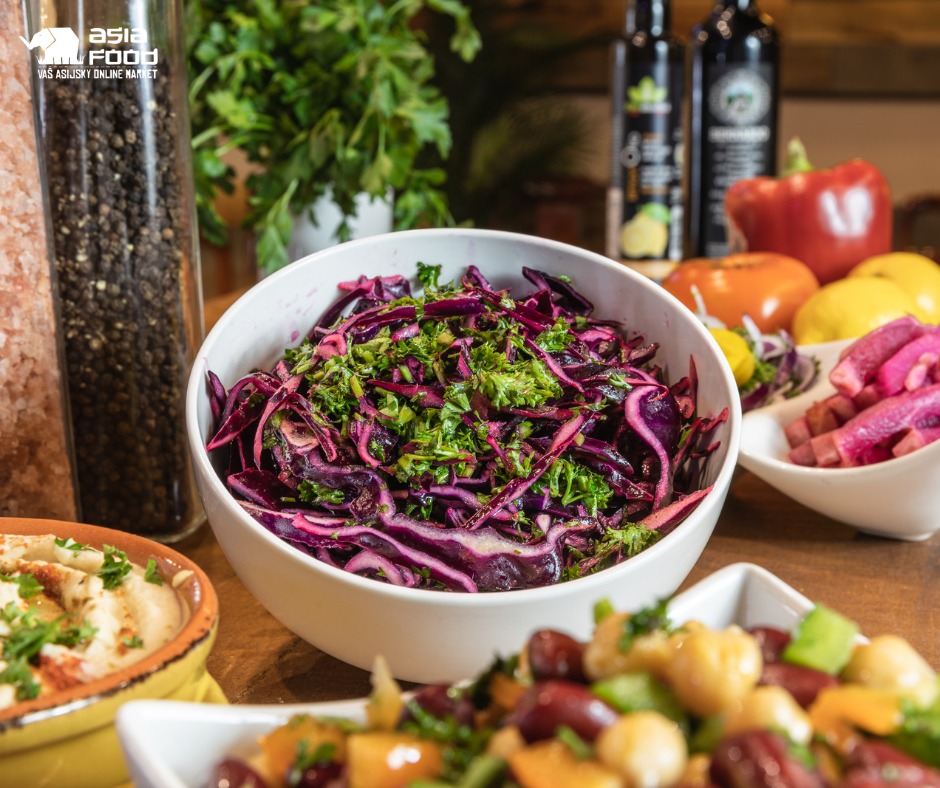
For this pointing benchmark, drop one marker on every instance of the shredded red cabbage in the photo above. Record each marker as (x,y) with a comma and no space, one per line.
(465,439)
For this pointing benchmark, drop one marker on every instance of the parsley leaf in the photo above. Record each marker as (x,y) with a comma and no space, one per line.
(307,758)
(114,568)
(18,673)
(27,635)
(645,621)
(70,544)
(314,492)
(460,743)
(29,586)
(152,574)
(428,275)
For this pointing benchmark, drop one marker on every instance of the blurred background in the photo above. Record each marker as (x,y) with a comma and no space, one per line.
(530,114)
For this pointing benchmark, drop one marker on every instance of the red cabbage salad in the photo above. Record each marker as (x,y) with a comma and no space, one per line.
(464,439)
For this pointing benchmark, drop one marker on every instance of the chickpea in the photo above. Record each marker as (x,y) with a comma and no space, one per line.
(505,741)
(604,657)
(890,662)
(645,748)
(770,708)
(711,670)
(696,774)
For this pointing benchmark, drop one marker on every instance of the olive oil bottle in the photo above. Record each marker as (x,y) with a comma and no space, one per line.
(645,198)
(734,85)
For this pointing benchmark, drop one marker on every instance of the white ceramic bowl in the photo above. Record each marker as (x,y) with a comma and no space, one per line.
(174,745)
(898,499)
(431,636)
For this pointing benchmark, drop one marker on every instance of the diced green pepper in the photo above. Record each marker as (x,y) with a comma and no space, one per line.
(823,640)
(640,691)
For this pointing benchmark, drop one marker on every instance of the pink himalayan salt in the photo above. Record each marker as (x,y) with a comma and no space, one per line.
(36,475)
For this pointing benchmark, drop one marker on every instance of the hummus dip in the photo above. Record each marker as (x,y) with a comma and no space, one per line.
(70,614)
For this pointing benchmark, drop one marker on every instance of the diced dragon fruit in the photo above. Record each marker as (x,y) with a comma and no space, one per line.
(842,407)
(862,359)
(916,438)
(880,422)
(798,432)
(802,454)
(892,374)
(820,418)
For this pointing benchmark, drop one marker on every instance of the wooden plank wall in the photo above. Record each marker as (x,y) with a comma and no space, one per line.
(831,47)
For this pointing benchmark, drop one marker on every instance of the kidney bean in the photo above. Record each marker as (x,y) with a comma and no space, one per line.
(323,775)
(555,655)
(802,683)
(439,701)
(550,704)
(234,771)
(758,759)
(873,764)
(772,642)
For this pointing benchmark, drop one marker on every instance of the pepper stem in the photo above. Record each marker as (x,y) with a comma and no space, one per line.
(797,160)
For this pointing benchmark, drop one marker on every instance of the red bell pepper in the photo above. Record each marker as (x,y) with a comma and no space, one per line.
(829,219)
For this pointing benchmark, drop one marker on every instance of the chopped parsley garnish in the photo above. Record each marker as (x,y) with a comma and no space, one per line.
(152,574)
(27,635)
(314,492)
(29,586)
(70,544)
(307,758)
(18,673)
(115,567)
(133,642)
(643,622)
(460,743)
(428,275)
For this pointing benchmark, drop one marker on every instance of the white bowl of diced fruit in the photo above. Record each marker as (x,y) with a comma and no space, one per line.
(861,445)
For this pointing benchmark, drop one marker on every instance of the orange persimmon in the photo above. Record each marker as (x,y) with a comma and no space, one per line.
(766,286)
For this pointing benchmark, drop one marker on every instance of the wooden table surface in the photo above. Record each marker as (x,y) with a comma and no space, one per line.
(884,585)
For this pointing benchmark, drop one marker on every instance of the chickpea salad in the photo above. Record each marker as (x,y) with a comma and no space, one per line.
(645,702)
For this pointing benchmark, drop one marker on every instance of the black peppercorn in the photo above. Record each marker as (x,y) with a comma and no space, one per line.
(122,232)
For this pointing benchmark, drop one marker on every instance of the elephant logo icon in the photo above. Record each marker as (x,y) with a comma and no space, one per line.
(58,45)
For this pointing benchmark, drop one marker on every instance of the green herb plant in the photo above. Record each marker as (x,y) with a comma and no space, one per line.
(331,95)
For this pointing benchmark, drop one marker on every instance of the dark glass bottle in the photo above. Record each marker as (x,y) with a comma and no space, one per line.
(734,86)
(645,200)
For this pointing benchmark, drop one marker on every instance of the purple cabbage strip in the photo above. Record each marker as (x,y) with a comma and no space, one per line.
(367,561)
(369,538)
(633,407)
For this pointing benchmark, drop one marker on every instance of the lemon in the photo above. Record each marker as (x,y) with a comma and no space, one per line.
(850,307)
(737,352)
(918,275)
(644,236)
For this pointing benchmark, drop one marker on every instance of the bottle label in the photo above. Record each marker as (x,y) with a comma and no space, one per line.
(739,140)
(648,223)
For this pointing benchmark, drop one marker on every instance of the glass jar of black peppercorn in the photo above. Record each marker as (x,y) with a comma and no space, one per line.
(111,93)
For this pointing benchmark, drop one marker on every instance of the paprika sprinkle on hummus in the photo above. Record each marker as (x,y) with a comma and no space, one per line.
(70,614)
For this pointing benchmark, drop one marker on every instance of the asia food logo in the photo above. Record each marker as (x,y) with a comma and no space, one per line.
(104,57)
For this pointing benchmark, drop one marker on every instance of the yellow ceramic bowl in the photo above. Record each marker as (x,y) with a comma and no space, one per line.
(68,739)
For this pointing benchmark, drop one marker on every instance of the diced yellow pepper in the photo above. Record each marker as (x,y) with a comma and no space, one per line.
(839,712)
(279,747)
(551,764)
(386,759)
(385,703)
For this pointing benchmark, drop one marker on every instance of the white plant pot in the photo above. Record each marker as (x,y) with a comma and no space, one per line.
(373,217)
